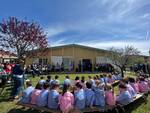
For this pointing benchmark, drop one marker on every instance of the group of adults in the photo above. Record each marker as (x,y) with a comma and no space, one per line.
(13,73)
(37,69)
(5,71)
(138,67)
(104,67)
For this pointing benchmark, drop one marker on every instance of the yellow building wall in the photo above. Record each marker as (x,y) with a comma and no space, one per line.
(67,51)
(85,53)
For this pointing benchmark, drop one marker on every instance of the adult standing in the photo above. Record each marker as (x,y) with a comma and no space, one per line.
(146,67)
(17,76)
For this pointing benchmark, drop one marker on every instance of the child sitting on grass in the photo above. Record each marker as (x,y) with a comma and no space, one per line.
(35,93)
(143,85)
(53,96)
(49,79)
(99,94)
(66,100)
(147,79)
(118,76)
(26,96)
(134,84)
(105,78)
(67,81)
(79,97)
(42,98)
(83,82)
(124,96)
(101,78)
(91,80)
(42,81)
(56,81)
(110,79)
(89,95)
(110,97)
(130,88)
(114,76)
(77,80)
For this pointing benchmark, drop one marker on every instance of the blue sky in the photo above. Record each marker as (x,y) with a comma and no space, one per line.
(96,23)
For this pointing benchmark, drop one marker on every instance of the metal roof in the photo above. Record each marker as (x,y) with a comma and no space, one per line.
(77,45)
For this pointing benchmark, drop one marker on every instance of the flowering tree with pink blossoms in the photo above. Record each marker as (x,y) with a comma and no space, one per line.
(21,36)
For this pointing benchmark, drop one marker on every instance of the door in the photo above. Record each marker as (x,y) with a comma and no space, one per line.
(86,65)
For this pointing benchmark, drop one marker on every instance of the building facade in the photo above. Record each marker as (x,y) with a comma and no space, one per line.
(72,57)
(6,56)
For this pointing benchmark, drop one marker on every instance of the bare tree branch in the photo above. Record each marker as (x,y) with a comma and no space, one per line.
(121,57)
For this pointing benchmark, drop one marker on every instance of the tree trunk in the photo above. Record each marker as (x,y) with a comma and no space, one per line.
(122,72)
(21,59)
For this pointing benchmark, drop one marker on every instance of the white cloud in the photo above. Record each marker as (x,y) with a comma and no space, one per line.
(127,19)
(145,16)
(52,31)
(58,42)
(143,46)
(121,20)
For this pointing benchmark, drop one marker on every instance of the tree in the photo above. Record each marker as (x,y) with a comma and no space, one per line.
(122,57)
(21,36)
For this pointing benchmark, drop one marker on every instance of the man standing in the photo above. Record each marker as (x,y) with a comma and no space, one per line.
(17,76)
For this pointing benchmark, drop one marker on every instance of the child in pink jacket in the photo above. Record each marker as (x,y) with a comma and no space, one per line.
(147,80)
(36,92)
(109,95)
(134,84)
(66,100)
(143,86)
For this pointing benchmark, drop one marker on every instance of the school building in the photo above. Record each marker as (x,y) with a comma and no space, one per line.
(6,56)
(72,57)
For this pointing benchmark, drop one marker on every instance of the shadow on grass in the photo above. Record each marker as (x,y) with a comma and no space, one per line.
(131,107)
(5,94)
(128,109)
(24,110)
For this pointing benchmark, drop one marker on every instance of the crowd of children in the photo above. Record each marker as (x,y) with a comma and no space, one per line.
(78,94)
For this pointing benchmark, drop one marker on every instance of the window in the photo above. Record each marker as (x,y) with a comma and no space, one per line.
(43,61)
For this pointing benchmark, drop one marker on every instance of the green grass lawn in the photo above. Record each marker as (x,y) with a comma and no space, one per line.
(9,106)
